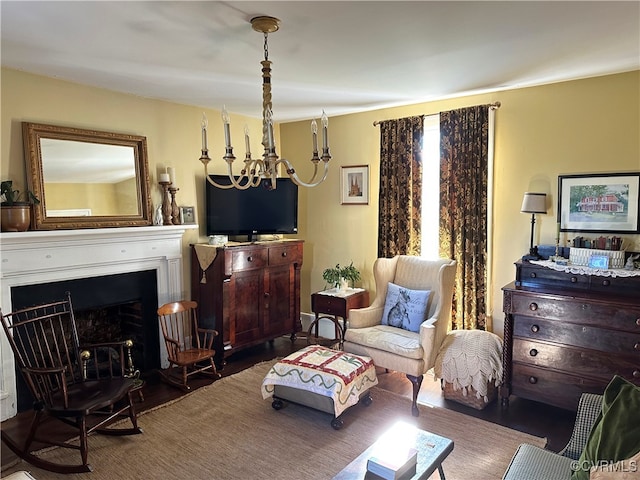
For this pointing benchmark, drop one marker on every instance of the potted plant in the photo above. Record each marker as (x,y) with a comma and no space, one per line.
(341,277)
(15,207)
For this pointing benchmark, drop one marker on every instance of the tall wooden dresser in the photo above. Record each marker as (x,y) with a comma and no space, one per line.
(567,333)
(250,293)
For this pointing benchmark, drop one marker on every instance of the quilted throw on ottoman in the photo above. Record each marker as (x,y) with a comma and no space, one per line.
(339,375)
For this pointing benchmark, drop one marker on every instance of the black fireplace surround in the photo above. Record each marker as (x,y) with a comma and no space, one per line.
(91,294)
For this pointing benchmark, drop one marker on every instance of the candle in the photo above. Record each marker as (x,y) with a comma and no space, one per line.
(204,124)
(558,233)
(325,136)
(314,135)
(226,121)
(164,178)
(172,175)
(247,144)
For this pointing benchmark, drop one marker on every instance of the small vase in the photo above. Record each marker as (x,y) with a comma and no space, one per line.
(344,285)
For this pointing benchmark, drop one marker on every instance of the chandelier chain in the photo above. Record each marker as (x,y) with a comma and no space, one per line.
(266,46)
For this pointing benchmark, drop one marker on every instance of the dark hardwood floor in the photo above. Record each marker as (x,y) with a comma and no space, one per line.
(527,416)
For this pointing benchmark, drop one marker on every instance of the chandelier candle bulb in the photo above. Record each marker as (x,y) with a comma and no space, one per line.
(314,134)
(227,131)
(325,125)
(246,140)
(204,124)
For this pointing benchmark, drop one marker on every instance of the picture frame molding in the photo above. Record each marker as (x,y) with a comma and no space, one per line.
(567,224)
(347,196)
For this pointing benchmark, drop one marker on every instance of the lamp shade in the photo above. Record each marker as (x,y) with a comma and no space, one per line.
(534,203)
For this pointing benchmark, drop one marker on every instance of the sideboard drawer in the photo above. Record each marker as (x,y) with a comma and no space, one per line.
(531,274)
(584,336)
(249,259)
(611,315)
(285,255)
(581,362)
(560,389)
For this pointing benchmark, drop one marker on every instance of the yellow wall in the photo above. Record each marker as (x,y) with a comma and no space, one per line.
(172,130)
(583,126)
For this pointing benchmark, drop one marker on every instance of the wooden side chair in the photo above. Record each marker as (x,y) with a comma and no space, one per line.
(66,383)
(189,347)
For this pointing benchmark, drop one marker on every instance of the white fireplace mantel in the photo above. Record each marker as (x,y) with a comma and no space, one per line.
(34,257)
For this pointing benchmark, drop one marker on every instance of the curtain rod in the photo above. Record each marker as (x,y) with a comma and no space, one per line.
(492,106)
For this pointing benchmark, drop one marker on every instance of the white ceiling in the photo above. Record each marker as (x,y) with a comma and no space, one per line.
(342,57)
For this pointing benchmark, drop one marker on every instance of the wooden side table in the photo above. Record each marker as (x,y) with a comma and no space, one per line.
(332,304)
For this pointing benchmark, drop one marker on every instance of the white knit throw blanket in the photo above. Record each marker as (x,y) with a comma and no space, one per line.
(470,358)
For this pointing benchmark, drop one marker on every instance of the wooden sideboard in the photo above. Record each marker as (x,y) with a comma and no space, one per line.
(566,333)
(251,294)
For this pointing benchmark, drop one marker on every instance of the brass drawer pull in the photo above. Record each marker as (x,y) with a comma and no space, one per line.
(636,374)
(606,283)
(284,254)
(533,380)
(574,280)
(535,328)
(638,321)
(533,275)
(533,306)
(249,258)
(636,346)
(533,352)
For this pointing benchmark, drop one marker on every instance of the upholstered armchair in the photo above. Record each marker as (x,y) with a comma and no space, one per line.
(377,332)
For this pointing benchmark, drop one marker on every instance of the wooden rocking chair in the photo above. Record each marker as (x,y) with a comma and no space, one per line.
(189,347)
(66,383)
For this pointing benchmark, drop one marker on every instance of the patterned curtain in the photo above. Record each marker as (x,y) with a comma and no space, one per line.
(400,187)
(464,143)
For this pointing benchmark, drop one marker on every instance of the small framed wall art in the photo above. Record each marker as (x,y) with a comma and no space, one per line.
(354,185)
(603,202)
(187,215)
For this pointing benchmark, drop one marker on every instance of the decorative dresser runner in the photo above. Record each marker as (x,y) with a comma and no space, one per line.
(330,373)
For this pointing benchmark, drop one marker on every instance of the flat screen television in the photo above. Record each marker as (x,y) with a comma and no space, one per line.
(254,211)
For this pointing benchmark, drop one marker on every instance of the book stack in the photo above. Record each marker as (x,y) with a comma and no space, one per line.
(394,464)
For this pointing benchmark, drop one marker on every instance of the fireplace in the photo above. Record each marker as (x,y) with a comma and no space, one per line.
(107,308)
(112,273)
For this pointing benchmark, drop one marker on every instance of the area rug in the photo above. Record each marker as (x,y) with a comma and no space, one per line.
(226,431)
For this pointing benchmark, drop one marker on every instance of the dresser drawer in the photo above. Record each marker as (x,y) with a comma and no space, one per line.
(584,336)
(249,259)
(534,275)
(285,254)
(328,304)
(560,389)
(581,362)
(619,316)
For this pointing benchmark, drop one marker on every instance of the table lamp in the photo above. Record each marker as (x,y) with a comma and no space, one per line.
(533,203)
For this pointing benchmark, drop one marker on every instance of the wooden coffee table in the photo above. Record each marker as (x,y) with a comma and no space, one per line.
(432,450)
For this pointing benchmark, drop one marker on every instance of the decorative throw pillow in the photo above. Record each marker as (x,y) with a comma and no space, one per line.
(616,434)
(404,308)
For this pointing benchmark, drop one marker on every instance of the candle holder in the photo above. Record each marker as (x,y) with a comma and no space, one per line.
(175,211)
(166,203)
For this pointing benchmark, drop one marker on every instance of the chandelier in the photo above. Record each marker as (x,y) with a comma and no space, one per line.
(254,172)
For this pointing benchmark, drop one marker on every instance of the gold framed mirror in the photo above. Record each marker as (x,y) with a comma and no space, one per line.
(86,178)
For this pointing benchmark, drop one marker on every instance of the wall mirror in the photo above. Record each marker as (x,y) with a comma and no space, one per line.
(86,178)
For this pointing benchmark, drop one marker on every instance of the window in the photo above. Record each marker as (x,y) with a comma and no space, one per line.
(430,247)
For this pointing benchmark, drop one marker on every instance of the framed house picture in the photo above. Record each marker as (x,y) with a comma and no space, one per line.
(354,185)
(603,202)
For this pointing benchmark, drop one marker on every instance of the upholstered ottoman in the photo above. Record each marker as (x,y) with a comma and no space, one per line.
(321,378)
